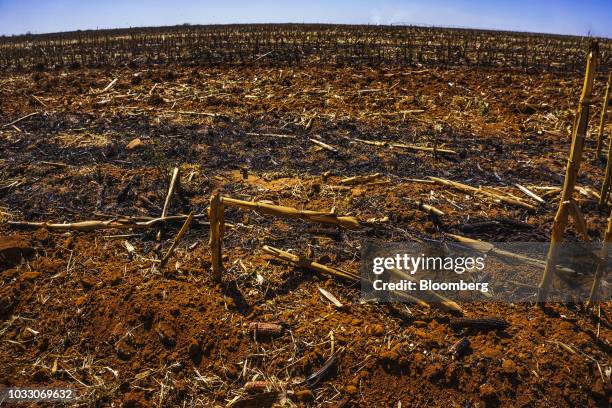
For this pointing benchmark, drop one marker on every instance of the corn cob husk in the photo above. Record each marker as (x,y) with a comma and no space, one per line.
(256,386)
(265,329)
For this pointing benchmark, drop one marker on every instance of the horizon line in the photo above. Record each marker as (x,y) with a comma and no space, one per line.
(393,24)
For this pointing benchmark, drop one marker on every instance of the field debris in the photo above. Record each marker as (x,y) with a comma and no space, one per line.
(289,212)
(265,329)
(177,239)
(92,225)
(360,179)
(483,191)
(530,193)
(309,264)
(483,323)
(325,369)
(459,347)
(334,300)
(324,145)
(256,386)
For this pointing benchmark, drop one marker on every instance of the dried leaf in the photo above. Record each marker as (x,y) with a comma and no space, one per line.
(130,248)
(330,297)
(320,373)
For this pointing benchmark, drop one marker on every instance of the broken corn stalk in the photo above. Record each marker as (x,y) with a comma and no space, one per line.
(601,265)
(309,264)
(359,179)
(289,212)
(602,117)
(474,191)
(216,217)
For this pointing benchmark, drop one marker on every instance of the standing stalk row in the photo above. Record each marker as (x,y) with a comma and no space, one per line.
(571,174)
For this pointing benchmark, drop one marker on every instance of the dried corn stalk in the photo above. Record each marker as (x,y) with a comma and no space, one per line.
(216,217)
(571,173)
(431,209)
(602,264)
(324,145)
(360,179)
(309,264)
(605,188)
(289,212)
(481,191)
(530,193)
(173,182)
(177,239)
(602,118)
(405,146)
(92,225)
(423,149)
(490,249)
(442,301)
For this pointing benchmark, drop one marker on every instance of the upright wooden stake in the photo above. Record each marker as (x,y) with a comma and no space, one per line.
(602,265)
(216,218)
(602,118)
(571,173)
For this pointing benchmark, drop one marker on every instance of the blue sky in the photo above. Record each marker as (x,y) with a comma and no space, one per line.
(553,16)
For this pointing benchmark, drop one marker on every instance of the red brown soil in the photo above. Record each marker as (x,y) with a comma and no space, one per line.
(78,310)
